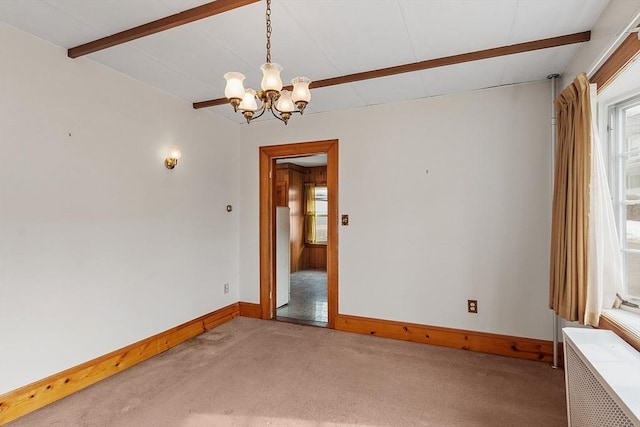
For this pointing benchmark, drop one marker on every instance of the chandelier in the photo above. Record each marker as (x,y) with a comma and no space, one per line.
(281,103)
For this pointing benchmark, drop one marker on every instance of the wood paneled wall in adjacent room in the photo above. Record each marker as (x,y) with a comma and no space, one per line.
(317,174)
(315,256)
(289,188)
(290,179)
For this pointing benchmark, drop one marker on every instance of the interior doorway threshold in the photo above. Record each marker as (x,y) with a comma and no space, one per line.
(302,321)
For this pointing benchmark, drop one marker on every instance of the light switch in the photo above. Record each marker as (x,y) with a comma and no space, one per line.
(345,219)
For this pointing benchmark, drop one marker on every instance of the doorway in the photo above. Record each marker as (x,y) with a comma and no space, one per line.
(301,198)
(270,195)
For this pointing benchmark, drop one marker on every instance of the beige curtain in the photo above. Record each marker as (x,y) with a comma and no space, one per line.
(570,214)
(310,213)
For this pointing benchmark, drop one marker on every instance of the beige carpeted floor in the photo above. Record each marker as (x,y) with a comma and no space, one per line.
(251,372)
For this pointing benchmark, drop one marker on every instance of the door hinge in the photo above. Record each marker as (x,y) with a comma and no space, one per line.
(270,174)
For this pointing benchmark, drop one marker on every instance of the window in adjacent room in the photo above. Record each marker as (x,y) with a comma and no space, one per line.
(316,213)
(624,124)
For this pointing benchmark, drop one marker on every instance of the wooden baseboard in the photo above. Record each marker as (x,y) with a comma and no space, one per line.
(27,399)
(249,309)
(504,345)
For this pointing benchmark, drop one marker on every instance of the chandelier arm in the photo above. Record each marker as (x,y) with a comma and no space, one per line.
(290,112)
(273,106)
(262,110)
(277,116)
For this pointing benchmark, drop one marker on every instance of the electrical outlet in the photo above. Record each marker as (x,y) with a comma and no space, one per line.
(472,305)
(226,288)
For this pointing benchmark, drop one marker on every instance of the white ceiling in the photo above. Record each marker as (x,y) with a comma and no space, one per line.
(306,161)
(318,39)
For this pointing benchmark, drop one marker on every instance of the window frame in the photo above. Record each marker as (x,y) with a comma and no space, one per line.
(316,215)
(617,177)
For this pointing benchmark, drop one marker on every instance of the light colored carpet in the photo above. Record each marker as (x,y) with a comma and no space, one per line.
(251,372)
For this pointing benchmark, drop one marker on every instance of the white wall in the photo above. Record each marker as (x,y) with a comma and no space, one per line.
(100,245)
(419,245)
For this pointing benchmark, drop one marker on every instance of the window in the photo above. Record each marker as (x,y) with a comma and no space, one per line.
(316,214)
(624,126)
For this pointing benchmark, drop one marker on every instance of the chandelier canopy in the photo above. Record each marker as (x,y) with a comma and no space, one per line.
(281,103)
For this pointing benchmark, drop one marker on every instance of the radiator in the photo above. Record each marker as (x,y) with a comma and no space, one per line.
(602,375)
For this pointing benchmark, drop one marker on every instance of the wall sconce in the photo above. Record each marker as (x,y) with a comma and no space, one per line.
(172,157)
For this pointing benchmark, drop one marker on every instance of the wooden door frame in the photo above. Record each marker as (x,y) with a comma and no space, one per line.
(268,157)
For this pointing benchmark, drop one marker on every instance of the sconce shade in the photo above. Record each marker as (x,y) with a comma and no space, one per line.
(235,87)
(301,90)
(174,153)
(271,77)
(249,101)
(285,104)
(172,157)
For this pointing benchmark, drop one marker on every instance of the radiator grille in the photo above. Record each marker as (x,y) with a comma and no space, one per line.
(589,403)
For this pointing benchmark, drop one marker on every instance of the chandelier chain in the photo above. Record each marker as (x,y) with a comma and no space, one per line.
(268,18)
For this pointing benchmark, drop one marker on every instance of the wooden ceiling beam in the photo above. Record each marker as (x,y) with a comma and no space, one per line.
(628,50)
(185,17)
(437,62)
